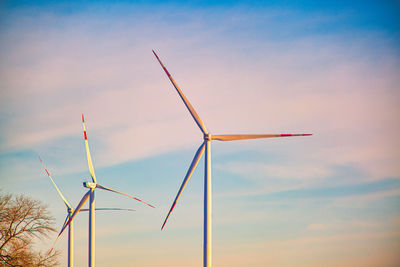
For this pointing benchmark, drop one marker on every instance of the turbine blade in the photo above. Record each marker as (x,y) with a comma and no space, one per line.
(77,209)
(193,165)
(115,209)
(66,220)
(192,111)
(58,190)
(108,209)
(232,137)
(89,158)
(55,242)
(115,191)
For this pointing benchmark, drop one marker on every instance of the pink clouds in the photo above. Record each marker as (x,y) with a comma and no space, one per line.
(290,88)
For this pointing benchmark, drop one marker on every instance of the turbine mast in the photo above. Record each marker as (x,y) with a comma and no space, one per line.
(207,249)
(70,242)
(91,228)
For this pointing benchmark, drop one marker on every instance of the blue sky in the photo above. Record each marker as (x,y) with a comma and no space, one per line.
(326,67)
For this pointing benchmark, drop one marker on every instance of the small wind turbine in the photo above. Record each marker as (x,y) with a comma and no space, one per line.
(90,194)
(206,145)
(69,213)
(70,210)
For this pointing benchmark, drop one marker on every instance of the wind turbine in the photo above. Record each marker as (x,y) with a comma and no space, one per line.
(206,145)
(90,195)
(70,211)
(69,214)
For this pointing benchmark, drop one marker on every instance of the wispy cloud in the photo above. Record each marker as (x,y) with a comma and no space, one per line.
(339,191)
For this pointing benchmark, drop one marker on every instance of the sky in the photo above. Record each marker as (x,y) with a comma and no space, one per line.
(330,68)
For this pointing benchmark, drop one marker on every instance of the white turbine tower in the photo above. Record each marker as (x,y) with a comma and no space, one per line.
(70,210)
(90,195)
(207,179)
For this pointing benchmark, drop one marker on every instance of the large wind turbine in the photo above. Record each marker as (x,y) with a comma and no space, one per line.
(90,195)
(70,211)
(206,145)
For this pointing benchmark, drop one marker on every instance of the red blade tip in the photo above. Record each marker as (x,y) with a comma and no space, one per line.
(155,54)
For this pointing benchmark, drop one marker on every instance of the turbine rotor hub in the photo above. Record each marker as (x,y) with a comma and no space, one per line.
(207,137)
(89,185)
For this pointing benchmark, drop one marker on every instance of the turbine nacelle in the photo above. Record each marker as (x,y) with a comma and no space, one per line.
(207,137)
(89,185)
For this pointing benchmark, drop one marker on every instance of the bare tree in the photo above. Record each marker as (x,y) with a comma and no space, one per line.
(22,221)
